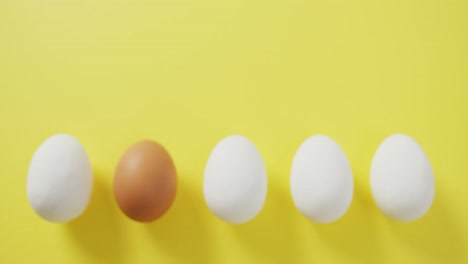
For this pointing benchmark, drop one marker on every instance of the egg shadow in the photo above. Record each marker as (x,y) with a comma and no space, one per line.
(97,232)
(434,236)
(181,231)
(355,235)
(271,236)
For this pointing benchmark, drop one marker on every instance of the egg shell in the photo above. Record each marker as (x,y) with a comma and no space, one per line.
(235,180)
(321,180)
(145,181)
(59,181)
(402,180)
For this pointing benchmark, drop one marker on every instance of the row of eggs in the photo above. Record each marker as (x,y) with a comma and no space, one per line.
(60,181)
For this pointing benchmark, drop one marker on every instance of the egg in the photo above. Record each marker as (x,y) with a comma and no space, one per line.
(235,180)
(145,181)
(321,180)
(60,179)
(402,180)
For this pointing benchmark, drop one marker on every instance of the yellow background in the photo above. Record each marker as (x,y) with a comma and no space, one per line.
(188,73)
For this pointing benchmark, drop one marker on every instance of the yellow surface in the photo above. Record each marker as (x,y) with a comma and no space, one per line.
(189,72)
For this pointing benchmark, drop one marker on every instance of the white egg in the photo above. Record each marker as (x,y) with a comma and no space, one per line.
(60,180)
(235,180)
(402,180)
(321,180)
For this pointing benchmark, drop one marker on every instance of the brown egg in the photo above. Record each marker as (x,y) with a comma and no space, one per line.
(145,181)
